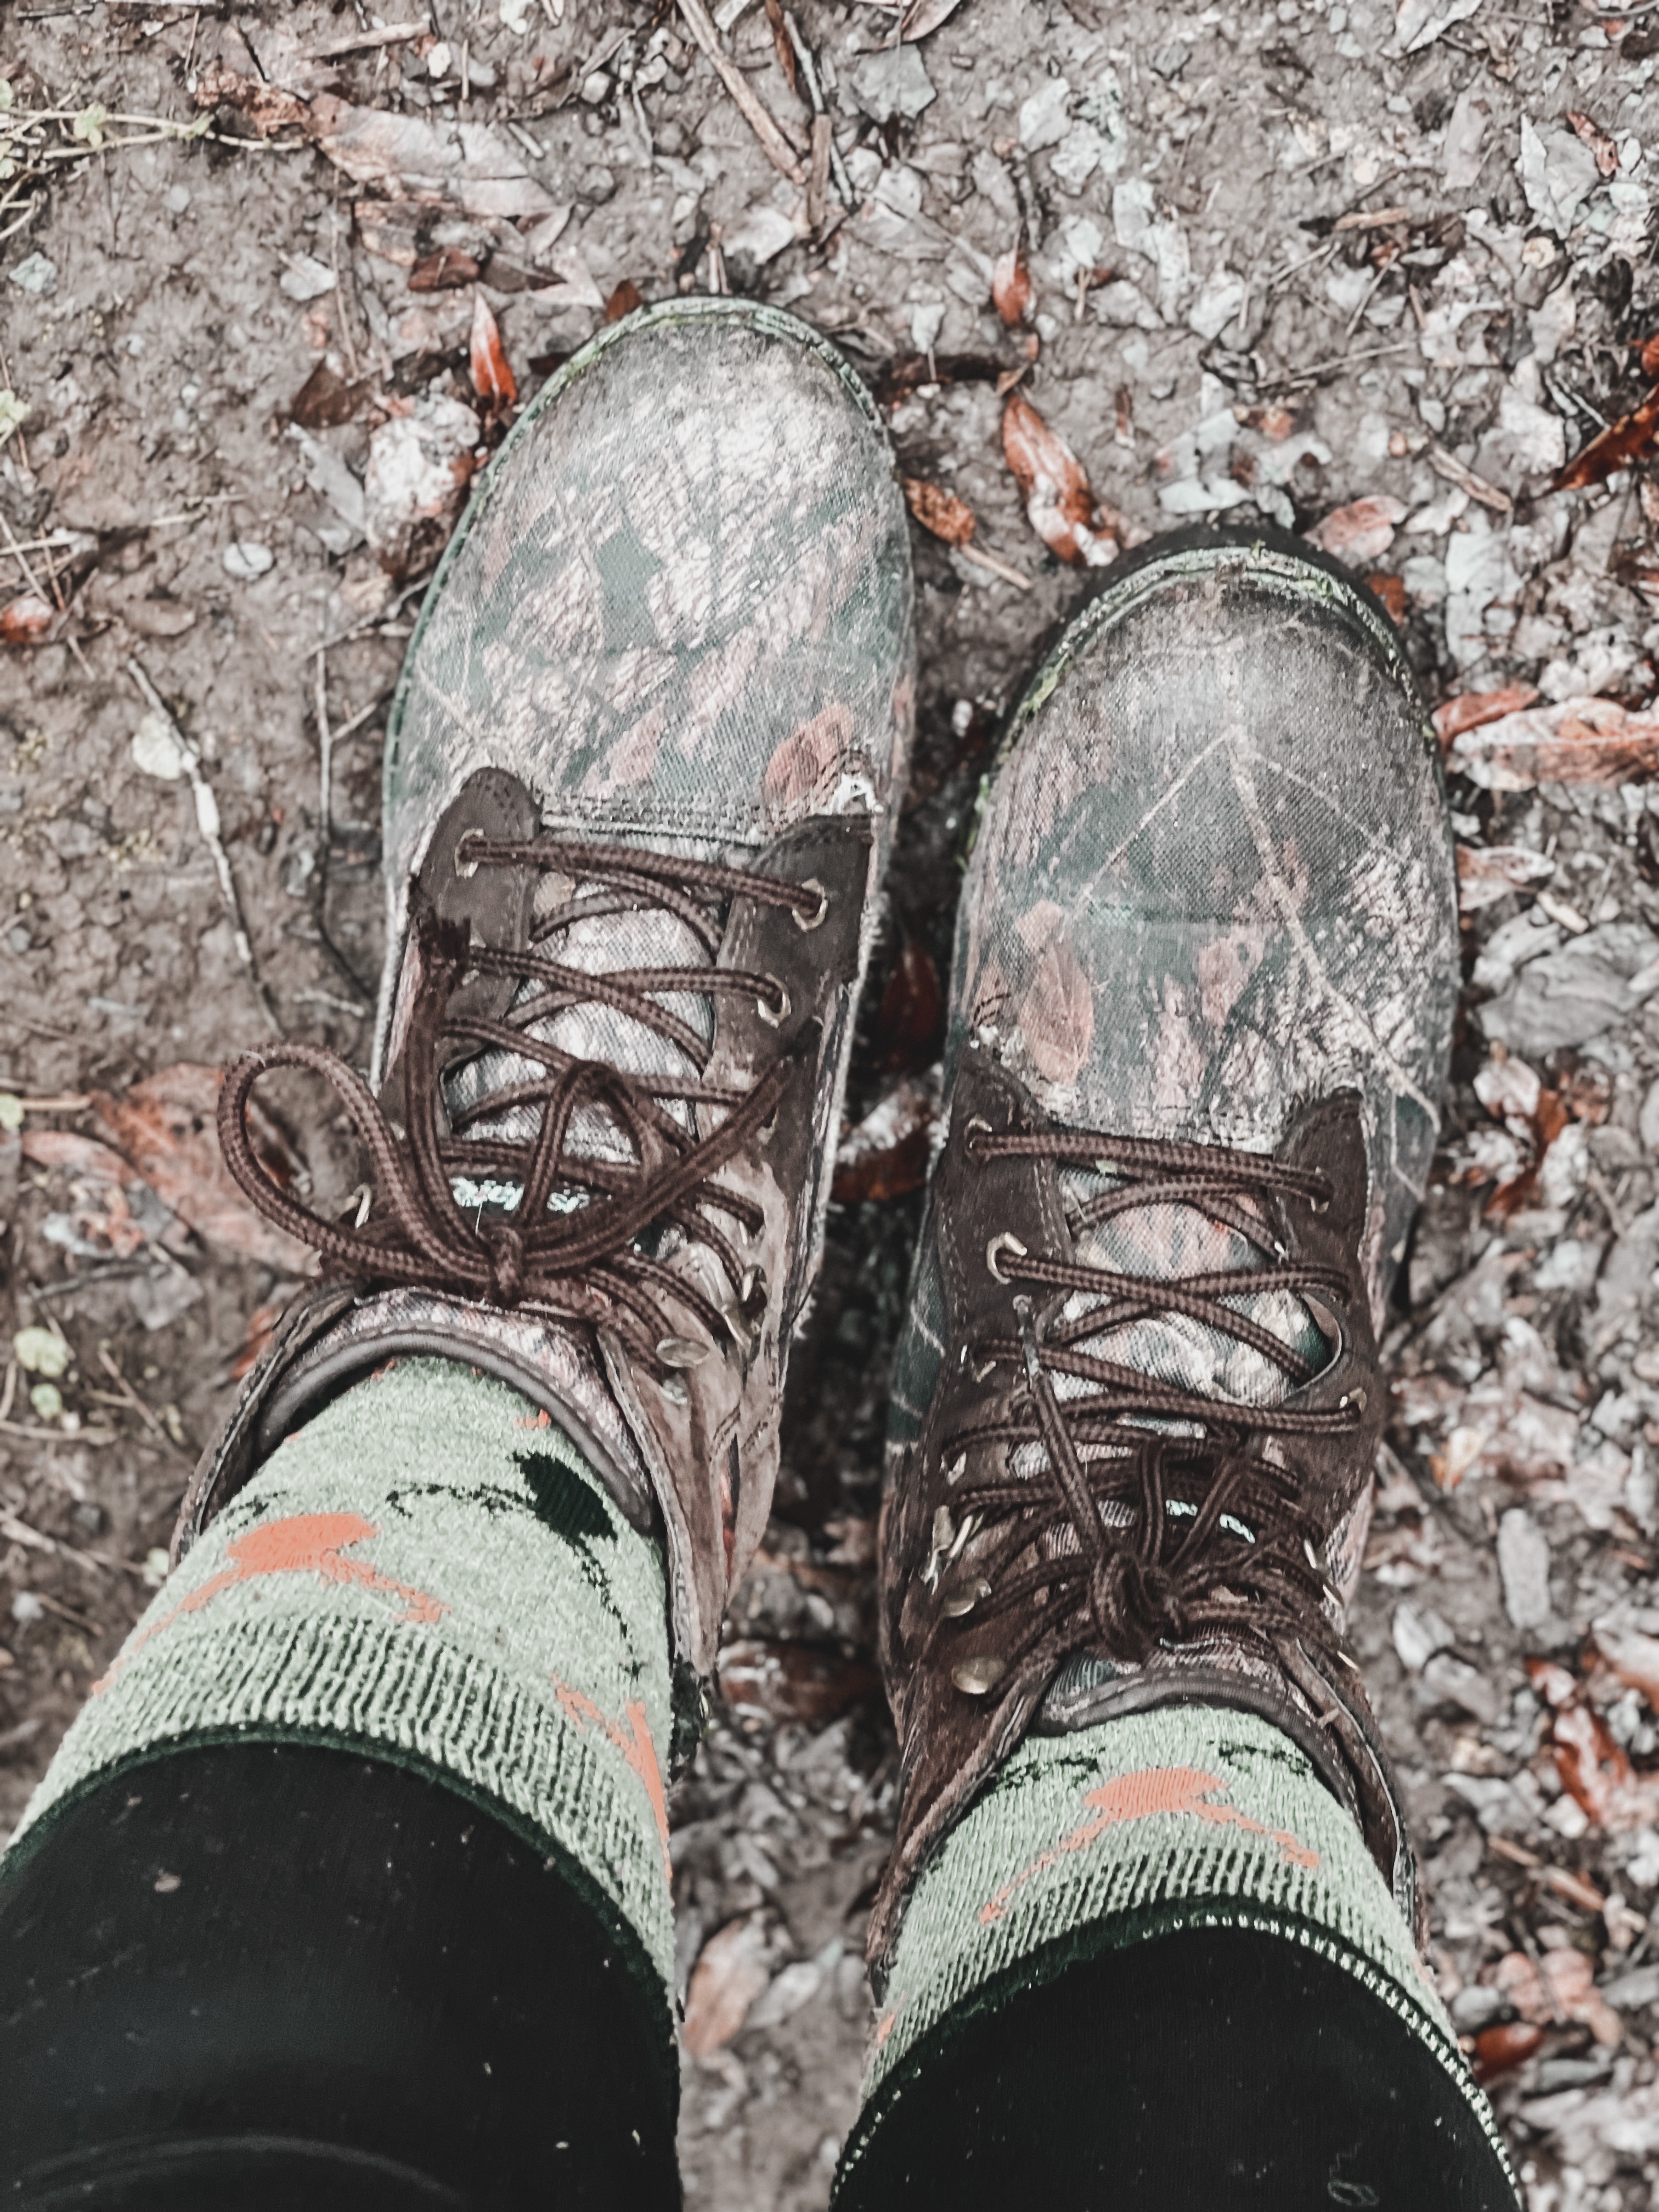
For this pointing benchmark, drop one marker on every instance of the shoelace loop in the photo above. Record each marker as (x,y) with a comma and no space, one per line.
(1156,1514)
(589,1261)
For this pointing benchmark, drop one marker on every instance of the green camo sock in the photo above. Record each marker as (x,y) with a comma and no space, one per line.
(1191,1816)
(429,1573)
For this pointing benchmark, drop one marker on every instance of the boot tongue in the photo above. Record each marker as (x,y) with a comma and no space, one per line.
(1165,1241)
(596,944)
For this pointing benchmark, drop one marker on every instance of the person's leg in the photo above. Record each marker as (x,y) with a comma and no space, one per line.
(355,1865)
(1147,1937)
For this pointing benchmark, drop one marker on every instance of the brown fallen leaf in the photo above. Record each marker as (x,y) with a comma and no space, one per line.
(1469,709)
(885,1155)
(1630,439)
(1590,1762)
(268,108)
(770,1679)
(939,511)
(1362,531)
(1391,590)
(103,1188)
(1487,873)
(492,379)
(923,17)
(1606,149)
(1585,741)
(27,620)
(1558,1988)
(909,372)
(1499,2050)
(910,1021)
(1633,1658)
(624,301)
(1061,507)
(730,1974)
(1011,286)
(449,269)
(782,46)
(326,399)
(166,1128)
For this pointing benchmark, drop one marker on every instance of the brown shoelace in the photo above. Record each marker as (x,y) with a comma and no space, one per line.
(589,1262)
(1135,1534)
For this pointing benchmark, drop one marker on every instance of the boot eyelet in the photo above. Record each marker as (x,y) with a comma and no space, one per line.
(977,1126)
(466,867)
(682,1352)
(977,1676)
(812,921)
(1004,1242)
(776,1017)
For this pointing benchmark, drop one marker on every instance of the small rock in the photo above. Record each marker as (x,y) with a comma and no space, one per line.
(245,561)
(1043,117)
(894,81)
(1455,1682)
(25,1606)
(1523,1562)
(1417,1634)
(37,275)
(156,749)
(305,277)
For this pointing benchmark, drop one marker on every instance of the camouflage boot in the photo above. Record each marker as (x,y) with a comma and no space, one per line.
(640,777)
(1204,976)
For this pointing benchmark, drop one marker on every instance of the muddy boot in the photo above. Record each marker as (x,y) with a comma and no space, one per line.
(1201,1014)
(477,1511)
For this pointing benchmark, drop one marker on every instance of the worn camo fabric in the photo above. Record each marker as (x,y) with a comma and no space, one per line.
(680,605)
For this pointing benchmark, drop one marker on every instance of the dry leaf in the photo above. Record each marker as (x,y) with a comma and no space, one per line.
(1499,2050)
(885,1156)
(1587,740)
(449,269)
(1630,439)
(1391,591)
(730,1974)
(1011,286)
(910,1022)
(784,1682)
(624,301)
(166,1127)
(782,46)
(267,106)
(1590,1763)
(102,1222)
(1487,873)
(1059,502)
(1362,531)
(325,400)
(939,510)
(492,379)
(27,620)
(1469,709)
(1604,149)
(909,372)
(923,16)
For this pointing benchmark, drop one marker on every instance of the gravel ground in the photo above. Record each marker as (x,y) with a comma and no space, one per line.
(1283,260)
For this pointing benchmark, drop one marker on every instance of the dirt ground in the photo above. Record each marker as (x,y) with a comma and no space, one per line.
(1283,260)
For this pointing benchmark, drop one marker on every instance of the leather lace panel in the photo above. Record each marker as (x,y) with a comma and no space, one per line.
(591,1260)
(1156,1514)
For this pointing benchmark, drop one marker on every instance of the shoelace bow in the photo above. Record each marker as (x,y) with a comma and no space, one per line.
(1137,1535)
(587,1263)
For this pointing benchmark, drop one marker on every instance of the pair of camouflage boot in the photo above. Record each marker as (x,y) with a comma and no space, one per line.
(642,780)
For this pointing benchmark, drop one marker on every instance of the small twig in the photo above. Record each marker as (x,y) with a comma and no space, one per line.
(324,752)
(977,557)
(207,821)
(354,42)
(9,1392)
(22,561)
(1455,472)
(776,145)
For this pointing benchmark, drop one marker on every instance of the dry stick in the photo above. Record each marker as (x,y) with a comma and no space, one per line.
(326,751)
(132,1398)
(354,42)
(977,557)
(22,559)
(207,821)
(776,146)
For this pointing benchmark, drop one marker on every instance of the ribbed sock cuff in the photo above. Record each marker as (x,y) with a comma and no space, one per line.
(427,1572)
(1187,1816)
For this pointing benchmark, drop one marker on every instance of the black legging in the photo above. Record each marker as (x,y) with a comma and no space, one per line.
(251,1977)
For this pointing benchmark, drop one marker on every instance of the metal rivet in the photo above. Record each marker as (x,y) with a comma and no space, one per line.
(957,1467)
(774,1017)
(962,1597)
(811,920)
(682,1352)
(975,1677)
(1005,1242)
